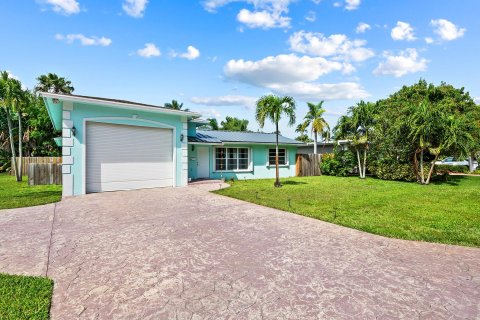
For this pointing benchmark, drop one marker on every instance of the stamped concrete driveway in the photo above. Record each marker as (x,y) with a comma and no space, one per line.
(188,254)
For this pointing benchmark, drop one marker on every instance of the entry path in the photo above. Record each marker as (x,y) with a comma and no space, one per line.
(185,253)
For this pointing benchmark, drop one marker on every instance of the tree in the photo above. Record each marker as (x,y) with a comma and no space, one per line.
(234,124)
(303,137)
(357,126)
(54,84)
(272,107)
(314,119)
(9,95)
(175,105)
(213,123)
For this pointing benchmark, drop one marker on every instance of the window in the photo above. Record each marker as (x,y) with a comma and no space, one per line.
(231,159)
(282,157)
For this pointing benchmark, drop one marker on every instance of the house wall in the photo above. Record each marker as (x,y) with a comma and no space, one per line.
(73,151)
(259,159)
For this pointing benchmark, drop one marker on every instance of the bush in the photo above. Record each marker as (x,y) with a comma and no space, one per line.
(340,163)
(454,169)
(391,170)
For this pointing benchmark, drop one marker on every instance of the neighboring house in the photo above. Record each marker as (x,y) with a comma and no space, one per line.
(110,145)
(323,147)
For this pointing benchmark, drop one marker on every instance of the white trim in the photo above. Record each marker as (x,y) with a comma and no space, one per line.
(250,160)
(287,160)
(118,104)
(263,143)
(206,144)
(99,119)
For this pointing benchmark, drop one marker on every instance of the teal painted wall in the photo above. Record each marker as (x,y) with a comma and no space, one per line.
(259,168)
(82,111)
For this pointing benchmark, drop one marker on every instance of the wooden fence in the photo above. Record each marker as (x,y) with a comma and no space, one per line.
(44,173)
(26,161)
(308,165)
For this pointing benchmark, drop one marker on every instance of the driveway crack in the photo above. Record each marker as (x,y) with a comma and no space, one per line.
(50,240)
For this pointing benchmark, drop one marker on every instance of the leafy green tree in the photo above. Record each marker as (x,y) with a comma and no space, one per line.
(213,124)
(175,105)
(303,136)
(314,119)
(234,124)
(272,107)
(54,84)
(357,126)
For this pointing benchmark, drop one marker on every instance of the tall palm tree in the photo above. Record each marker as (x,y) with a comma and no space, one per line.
(9,96)
(314,118)
(25,98)
(54,84)
(273,107)
(175,105)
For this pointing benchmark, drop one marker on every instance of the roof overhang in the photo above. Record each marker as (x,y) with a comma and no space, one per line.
(52,100)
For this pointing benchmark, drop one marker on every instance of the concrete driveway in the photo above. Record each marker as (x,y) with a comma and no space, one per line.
(188,254)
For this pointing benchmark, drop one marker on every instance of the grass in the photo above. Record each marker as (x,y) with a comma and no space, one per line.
(25,297)
(15,194)
(447,212)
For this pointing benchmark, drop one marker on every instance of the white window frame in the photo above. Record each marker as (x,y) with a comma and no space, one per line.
(249,169)
(287,162)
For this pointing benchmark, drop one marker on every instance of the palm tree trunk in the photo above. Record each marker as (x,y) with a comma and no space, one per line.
(315,142)
(359,163)
(431,170)
(277,177)
(12,145)
(20,147)
(364,162)
(422,176)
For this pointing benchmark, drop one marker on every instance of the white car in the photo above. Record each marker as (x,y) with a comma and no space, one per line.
(451,161)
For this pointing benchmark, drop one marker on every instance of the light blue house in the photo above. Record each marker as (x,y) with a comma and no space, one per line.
(110,145)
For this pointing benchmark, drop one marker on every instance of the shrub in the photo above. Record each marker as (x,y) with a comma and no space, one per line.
(455,169)
(391,170)
(340,163)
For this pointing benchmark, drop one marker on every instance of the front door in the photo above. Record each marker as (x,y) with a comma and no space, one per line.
(203,170)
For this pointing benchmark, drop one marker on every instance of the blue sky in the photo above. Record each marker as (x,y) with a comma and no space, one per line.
(219,56)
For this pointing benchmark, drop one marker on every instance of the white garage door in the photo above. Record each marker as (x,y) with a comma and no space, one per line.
(122,157)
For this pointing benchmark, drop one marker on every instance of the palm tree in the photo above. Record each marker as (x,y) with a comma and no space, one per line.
(175,105)
(314,119)
(9,95)
(273,107)
(25,99)
(54,84)
(213,123)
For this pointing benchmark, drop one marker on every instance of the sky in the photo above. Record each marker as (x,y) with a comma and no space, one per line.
(219,56)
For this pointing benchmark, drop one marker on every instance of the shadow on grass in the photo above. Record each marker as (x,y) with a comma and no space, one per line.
(292,183)
(448,180)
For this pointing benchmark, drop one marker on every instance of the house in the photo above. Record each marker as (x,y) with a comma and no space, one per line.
(324,147)
(110,144)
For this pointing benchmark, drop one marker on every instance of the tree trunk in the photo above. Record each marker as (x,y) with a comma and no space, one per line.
(415,165)
(470,163)
(315,142)
(20,147)
(364,162)
(277,177)
(12,145)
(422,176)
(359,163)
(431,170)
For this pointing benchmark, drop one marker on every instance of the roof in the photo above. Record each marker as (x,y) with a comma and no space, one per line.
(212,136)
(116,103)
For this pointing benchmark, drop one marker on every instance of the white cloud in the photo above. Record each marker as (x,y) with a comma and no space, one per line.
(150,50)
(267,14)
(262,19)
(228,100)
(352,4)
(84,40)
(429,40)
(403,31)
(477,100)
(66,7)
(191,54)
(362,27)
(406,62)
(293,75)
(338,46)
(282,69)
(210,113)
(447,30)
(11,75)
(135,8)
(311,16)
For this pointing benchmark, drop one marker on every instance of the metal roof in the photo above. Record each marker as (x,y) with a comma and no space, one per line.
(211,136)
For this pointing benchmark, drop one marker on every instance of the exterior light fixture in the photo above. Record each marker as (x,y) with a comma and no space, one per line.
(182,137)
(74,131)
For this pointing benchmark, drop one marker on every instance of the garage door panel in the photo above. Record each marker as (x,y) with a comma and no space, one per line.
(122,157)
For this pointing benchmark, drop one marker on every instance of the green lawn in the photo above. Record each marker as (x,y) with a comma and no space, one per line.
(15,195)
(25,297)
(447,212)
